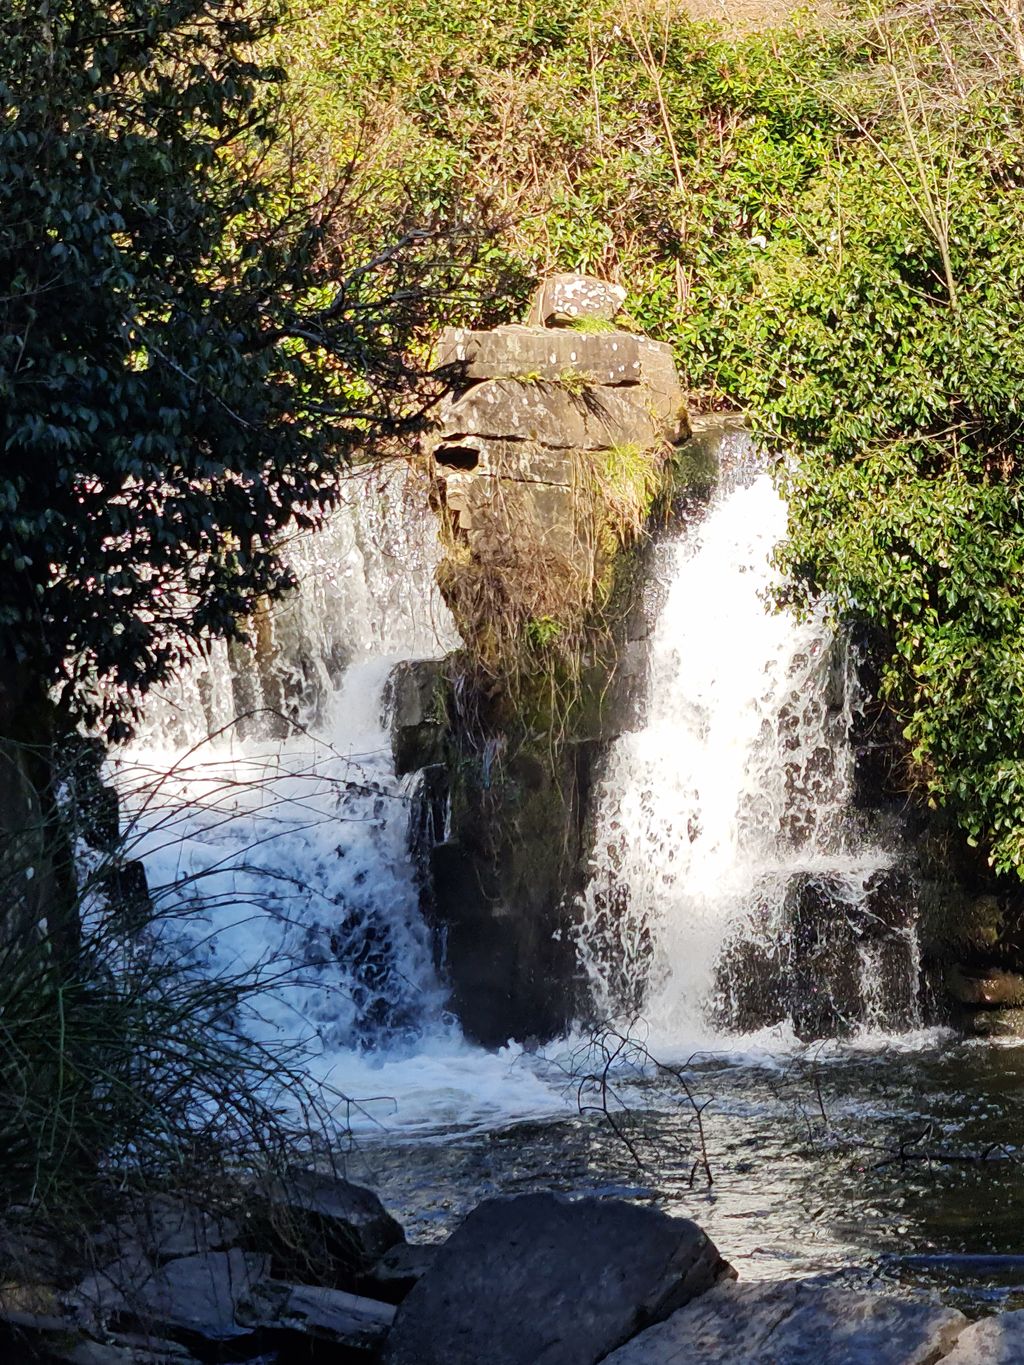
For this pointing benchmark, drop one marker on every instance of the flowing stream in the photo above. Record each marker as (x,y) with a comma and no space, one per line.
(737,906)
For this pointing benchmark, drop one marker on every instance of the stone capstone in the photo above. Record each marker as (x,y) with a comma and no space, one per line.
(544,1280)
(565,298)
(796,1323)
(514,351)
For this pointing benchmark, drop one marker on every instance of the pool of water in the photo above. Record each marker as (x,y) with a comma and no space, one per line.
(897,1168)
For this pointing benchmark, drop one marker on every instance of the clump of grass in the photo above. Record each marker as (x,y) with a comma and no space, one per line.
(627,480)
(126,1070)
(592,326)
(575,381)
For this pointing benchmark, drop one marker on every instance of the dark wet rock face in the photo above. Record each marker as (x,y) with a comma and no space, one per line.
(542,1280)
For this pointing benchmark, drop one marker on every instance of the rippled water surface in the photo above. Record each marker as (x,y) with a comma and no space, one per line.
(845,1165)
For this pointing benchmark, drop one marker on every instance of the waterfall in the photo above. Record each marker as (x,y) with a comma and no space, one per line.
(732,886)
(279,847)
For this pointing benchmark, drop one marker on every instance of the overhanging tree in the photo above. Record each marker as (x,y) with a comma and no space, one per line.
(190,349)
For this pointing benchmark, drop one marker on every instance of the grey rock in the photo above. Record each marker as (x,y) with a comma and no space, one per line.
(594,419)
(195,1294)
(605,358)
(60,1341)
(320,1228)
(543,1280)
(564,298)
(795,1323)
(398,1270)
(128,1350)
(414,700)
(992,1341)
(985,988)
(313,1311)
(163,1229)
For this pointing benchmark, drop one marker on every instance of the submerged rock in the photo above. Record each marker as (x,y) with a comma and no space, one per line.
(796,1323)
(544,1280)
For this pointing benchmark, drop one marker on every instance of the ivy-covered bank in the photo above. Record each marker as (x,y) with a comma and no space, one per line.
(825,220)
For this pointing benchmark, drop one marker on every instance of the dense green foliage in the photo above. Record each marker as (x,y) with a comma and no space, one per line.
(195,332)
(826,222)
(893,388)
(824,219)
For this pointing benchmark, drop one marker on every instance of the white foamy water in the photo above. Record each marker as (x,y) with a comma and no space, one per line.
(281,850)
(288,860)
(735,791)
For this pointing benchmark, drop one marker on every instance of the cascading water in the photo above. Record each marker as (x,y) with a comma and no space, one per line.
(731,887)
(264,804)
(288,858)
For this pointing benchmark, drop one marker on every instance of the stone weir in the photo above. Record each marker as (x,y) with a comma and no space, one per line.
(549,459)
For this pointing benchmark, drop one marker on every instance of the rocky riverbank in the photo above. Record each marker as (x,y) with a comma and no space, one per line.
(314,1269)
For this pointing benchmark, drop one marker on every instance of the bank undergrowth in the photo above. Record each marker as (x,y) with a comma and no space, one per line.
(825,220)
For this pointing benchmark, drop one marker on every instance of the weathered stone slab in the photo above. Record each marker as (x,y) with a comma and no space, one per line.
(992,1341)
(592,419)
(543,1280)
(793,1322)
(605,358)
(564,298)
(195,1294)
(313,1311)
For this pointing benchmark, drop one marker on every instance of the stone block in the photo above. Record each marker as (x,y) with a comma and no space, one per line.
(524,461)
(611,358)
(997,1340)
(795,1323)
(592,419)
(493,512)
(564,298)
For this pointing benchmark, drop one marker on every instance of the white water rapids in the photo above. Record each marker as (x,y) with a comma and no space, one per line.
(289,857)
(736,790)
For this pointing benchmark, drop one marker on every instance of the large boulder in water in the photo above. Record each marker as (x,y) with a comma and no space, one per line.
(543,1280)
